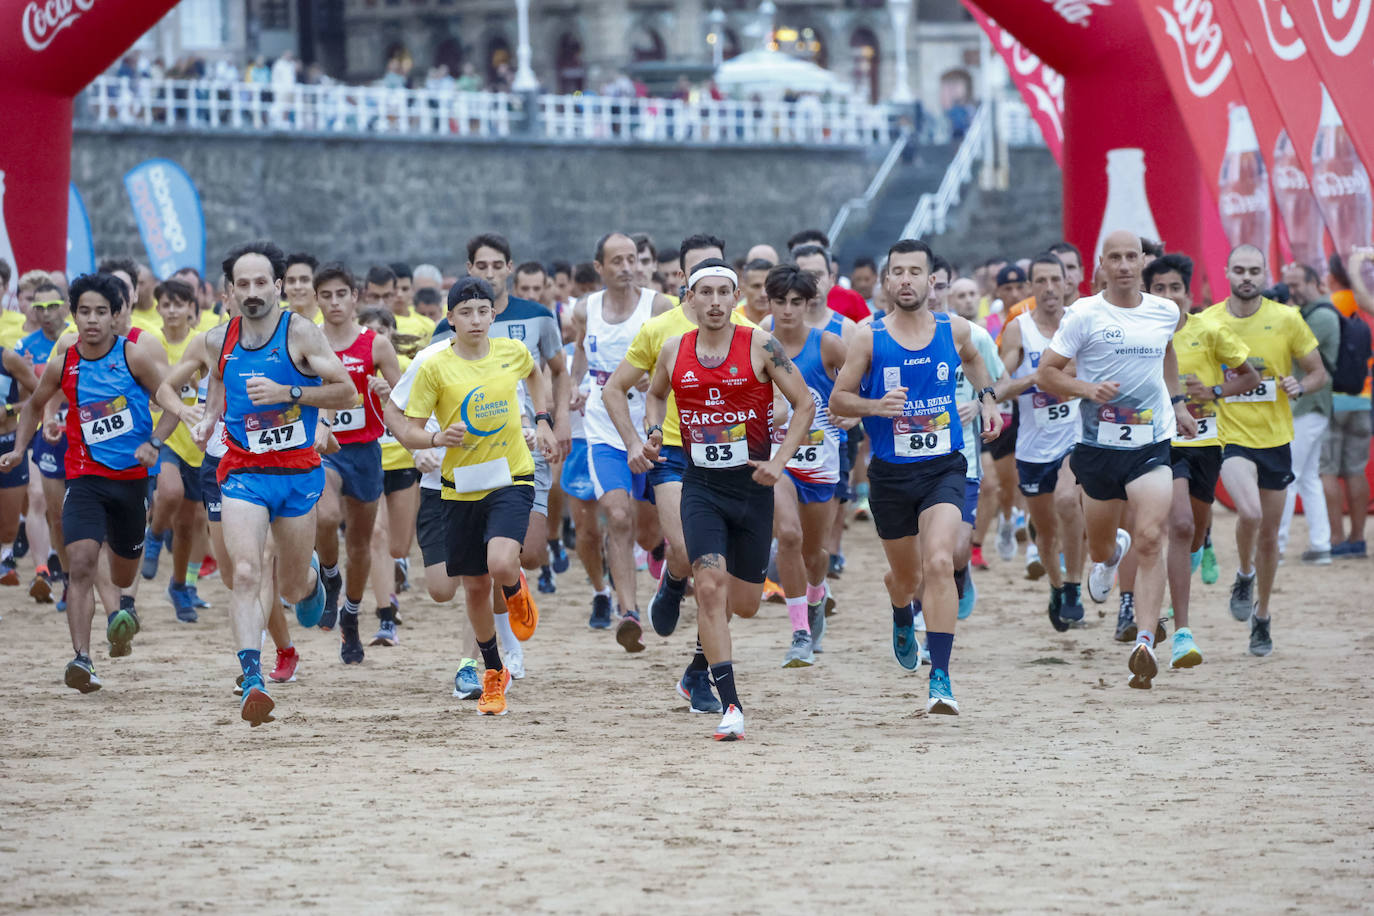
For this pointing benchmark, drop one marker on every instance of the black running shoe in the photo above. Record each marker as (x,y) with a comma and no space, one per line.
(351,648)
(332,586)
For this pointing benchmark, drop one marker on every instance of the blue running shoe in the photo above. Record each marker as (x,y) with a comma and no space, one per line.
(1071,604)
(181,601)
(695,688)
(601,612)
(311,609)
(467,684)
(941,702)
(152,551)
(256,706)
(905,647)
(547,586)
(558,557)
(197,602)
(666,607)
(1185,653)
(970,597)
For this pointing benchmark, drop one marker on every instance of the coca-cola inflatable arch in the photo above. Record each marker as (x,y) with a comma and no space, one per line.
(49,51)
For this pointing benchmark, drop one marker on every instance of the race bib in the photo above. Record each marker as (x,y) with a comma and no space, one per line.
(488,475)
(1206,418)
(386,438)
(719,446)
(1124,427)
(1266,392)
(350,419)
(275,430)
(105,420)
(1050,412)
(809,456)
(922,437)
(188,393)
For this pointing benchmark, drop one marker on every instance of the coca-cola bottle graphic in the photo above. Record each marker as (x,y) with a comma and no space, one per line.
(1243,186)
(1298,208)
(1128,205)
(1340,182)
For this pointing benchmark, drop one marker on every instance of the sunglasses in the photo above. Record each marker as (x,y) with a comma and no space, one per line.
(50,304)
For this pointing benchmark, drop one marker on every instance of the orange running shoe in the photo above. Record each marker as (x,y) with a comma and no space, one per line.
(772,592)
(524,613)
(493,699)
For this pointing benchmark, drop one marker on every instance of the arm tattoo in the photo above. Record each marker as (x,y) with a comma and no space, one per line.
(779,356)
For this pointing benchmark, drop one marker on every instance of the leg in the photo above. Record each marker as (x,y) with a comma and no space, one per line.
(328,515)
(1150,496)
(1182,530)
(245,527)
(360,518)
(620,530)
(295,541)
(1267,555)
(988,500)
(36,519)
(81,595)
(1044,515)
(1241,478)
(1068,510)
(1101,519)
(380,575)
(402,506)
(713,623)
(584,514)
(1357,488)
(1335,507)
(668,499)
(54,491)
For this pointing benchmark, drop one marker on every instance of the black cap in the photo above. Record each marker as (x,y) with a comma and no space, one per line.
(1010,274)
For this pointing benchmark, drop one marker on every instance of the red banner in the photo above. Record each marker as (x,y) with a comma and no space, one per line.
(1040,85)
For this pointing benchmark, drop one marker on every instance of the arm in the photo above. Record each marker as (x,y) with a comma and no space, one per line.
(615,397)
(655,406)
(544,434)
(1012,355)
(1246,377)
(579,367)
(845,400)
(48,385)
(311,350)
(978,376)
(1053,377)
(559,406)
(1187,423)
(148,366)
(191,364)
(784,375)
(1314,378)
(19,369)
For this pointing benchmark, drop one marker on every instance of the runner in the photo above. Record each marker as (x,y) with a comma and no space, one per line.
(107,381)
(488,473)
(1048,430)
(722,376)
(605,324)
(299,288)
(1132,406)
(804,496)
(17,384)
(917,477)
(277,372)
(353,473)
(1257,463)
(754,305)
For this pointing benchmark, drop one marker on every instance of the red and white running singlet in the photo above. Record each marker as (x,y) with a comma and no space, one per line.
(726,411)
(361,423)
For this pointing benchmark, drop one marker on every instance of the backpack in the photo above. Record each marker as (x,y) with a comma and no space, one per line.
(1352,357)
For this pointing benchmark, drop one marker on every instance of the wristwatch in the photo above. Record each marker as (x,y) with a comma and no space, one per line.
(546,417)
(1216,392)
(296,393)
(656,428)
(155,442)
(1178,399)
(987,392)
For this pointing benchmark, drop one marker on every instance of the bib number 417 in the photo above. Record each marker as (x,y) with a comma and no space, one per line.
(276,437)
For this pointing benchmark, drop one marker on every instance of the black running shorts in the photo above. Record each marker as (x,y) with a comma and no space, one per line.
(1104,472)
(899,492)
(733,519)
(1200,465)
(106,511)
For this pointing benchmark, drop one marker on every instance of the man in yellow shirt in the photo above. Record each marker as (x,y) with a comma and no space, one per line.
(298,286)
(409,323)
(488,473)
(1257,463)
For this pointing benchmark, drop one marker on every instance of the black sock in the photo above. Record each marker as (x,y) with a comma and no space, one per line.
(698,662)
(903,616)
(491,656)
(510,591)
(555,544)
(657,552)
(387,613)
(961,581)
(674,585)
(723,676)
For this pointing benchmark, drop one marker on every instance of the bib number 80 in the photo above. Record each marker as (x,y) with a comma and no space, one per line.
(923,442)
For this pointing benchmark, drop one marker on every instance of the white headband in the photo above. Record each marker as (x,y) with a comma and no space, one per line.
(712,270)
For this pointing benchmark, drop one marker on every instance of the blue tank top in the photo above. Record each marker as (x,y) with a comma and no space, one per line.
(7,384)
(271,432)
(836,324)
(929,426)
(109,417)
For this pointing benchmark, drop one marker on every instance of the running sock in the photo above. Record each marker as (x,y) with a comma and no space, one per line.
(491,657)
(192,574)
(1145,638)
(815,594)
(940,646)
(386,613)
(351,607)
(1072,592)
(126,602)
(1246,575)
(796,612)
(555,544)
(903,616)
(961,581)
(673,584)
(251,662)
(657,552)
(329,572)
(698,662)
(510,591)
(723,676)
(503,629)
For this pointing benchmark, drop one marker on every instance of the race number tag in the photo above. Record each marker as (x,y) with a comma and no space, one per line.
(350,419)
(105,420)
(1124,427)
(386,438)
(1206,418)
(719,446)
(926,436)
(188,393)
(275,430)
(809,456)
(1264,393)
(1050,412)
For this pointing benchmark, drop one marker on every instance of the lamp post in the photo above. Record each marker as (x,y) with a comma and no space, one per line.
(716,37)
(900,10)
(524,73)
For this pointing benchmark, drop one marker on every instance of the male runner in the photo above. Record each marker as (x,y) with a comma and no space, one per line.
(754,305)
(17,383)
(111,444)
(1047,434)
(1256,460)
(900,377)
(722,377)
(469,386)
(277,372)
(353,474)
(299,286)
(1132,405)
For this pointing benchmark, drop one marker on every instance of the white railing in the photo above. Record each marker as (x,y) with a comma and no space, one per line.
(931,209)
(1016,125)
(875,187)
(219,106)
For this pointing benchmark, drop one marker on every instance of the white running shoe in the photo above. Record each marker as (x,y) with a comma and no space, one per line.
(1103,577)
(731,727)
(513,658)
(1034,568)
(1006,539)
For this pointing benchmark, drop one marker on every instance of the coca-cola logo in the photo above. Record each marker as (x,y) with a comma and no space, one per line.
(1201,46)
(1283,35)
(40,23)
(1349,16)
(1329,184)
(1233,203)
(1289,178)
(1077,12)
(1041,81)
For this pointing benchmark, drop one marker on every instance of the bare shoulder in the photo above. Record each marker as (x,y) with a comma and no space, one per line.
(661,304)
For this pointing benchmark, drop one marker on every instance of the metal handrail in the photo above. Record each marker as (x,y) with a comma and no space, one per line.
(875,187)
(931,209)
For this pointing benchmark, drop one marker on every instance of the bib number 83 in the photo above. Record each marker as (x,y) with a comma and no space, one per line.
(720,452)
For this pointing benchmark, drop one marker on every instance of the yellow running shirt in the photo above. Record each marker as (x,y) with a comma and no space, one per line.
(180,438)
(648,343)
(147,319)
(417,326)
(481,394)
(1276,335)
(1203,347)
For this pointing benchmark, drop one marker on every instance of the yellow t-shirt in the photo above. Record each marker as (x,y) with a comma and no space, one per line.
(180,438)
(11,328)
(1203,347)
(147,319)
(481,394)
(648,344)
(415,325)
(395,456)
(1276,335)
(208,319)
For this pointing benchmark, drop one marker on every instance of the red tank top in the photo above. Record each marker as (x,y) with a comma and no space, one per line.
(363,423)
(726,413)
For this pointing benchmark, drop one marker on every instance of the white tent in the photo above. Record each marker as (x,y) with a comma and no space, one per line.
(772,73)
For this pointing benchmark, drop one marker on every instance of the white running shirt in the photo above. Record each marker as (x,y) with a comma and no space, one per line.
(1048,426)
(605,345)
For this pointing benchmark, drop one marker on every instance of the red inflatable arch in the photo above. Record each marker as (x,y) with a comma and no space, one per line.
(49,51)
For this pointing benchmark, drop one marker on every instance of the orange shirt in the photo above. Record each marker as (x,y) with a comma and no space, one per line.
(1020,308)
(1344,301)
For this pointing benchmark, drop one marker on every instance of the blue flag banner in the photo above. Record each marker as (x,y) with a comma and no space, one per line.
(80,245)
(167,210)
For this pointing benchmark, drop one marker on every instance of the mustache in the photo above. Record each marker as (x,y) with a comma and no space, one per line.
(254,300)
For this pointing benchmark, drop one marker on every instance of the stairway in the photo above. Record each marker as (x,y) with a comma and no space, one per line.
(871,234)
